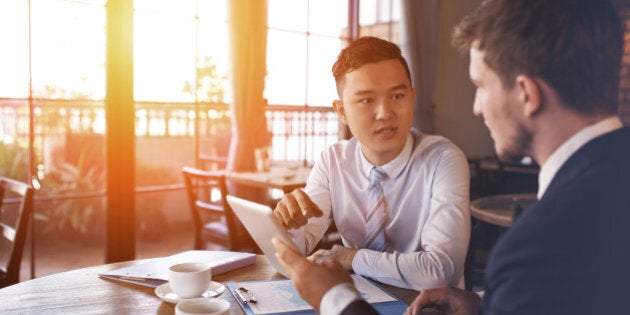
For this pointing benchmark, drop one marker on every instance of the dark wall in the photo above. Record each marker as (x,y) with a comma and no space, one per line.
(624,90)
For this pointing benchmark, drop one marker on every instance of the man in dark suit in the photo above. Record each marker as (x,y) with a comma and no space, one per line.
(547,77)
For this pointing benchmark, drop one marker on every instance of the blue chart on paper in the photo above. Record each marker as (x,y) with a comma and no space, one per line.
(295,298)
(280,296)
(275,297)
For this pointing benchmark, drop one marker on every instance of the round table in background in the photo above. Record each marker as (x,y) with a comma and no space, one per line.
(497,210)
(500,209)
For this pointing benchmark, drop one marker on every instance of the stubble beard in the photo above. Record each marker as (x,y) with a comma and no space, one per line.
(518,147)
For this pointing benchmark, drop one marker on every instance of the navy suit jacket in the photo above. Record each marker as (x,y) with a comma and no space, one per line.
(359,307)
(569,253)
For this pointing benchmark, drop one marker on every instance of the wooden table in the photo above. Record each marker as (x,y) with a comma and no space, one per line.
(284,177)
(81,291)
(499,209)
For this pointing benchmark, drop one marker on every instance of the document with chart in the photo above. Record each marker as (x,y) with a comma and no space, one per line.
(280,296)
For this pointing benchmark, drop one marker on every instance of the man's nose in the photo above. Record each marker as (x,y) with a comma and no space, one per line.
(384,110)
(477,107)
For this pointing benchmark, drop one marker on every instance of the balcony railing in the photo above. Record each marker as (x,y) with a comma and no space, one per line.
(300,133)
(68,145)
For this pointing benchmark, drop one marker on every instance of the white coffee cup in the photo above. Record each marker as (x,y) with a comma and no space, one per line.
(189,280)
(202,306)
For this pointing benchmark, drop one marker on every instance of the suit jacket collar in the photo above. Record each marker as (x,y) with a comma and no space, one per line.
(588,156)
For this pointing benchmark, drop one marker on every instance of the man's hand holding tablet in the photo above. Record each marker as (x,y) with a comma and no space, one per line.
(312,280)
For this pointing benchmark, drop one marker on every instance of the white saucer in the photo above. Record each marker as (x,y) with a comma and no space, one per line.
(165,293)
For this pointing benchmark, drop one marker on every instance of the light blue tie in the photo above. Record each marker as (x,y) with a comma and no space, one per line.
(376,218)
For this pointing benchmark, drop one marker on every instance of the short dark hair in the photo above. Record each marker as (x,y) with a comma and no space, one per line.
(362,51)
(575,46)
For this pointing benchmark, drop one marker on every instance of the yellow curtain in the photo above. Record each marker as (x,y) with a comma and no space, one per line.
(248,29)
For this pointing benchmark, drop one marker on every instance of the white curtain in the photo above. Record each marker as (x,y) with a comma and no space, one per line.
(420,26)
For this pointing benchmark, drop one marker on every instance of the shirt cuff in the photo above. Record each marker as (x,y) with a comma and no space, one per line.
(299,239)
(363,261)
(338,298)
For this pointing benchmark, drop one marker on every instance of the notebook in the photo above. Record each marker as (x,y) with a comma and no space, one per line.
(155,272)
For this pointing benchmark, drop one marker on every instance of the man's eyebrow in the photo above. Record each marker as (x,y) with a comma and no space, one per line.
(393,88)
(363,92)
(398,87)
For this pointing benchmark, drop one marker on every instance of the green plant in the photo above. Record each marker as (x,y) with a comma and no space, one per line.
(13,160)
(79,170)
(72,214)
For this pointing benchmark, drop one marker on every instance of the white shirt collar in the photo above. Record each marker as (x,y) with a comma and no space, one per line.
(565,151)
(394,167)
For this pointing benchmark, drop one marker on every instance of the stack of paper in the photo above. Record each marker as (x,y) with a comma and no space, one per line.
(155,272)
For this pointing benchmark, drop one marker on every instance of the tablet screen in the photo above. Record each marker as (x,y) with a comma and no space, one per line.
(259,221)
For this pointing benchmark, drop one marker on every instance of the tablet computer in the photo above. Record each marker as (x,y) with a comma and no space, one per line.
(261,224)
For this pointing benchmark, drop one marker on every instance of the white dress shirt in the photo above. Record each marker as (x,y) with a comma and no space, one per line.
(427,195)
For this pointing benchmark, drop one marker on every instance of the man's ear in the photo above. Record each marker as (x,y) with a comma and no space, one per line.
(340,110)
(529,95)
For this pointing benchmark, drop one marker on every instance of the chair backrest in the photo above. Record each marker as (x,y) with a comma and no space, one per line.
(212,162)
(14,234)
(199,185)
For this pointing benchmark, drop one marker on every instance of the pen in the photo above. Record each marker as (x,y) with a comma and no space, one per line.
(241,291)
(240,296)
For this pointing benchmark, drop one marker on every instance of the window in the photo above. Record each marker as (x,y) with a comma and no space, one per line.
(175,42)
(52,87)
(181,90)
(381,18)
(52,96)
(304,38)
(52,91)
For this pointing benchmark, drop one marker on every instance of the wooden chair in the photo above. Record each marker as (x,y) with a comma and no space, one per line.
(214,221)
(212,162)
(13,236)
